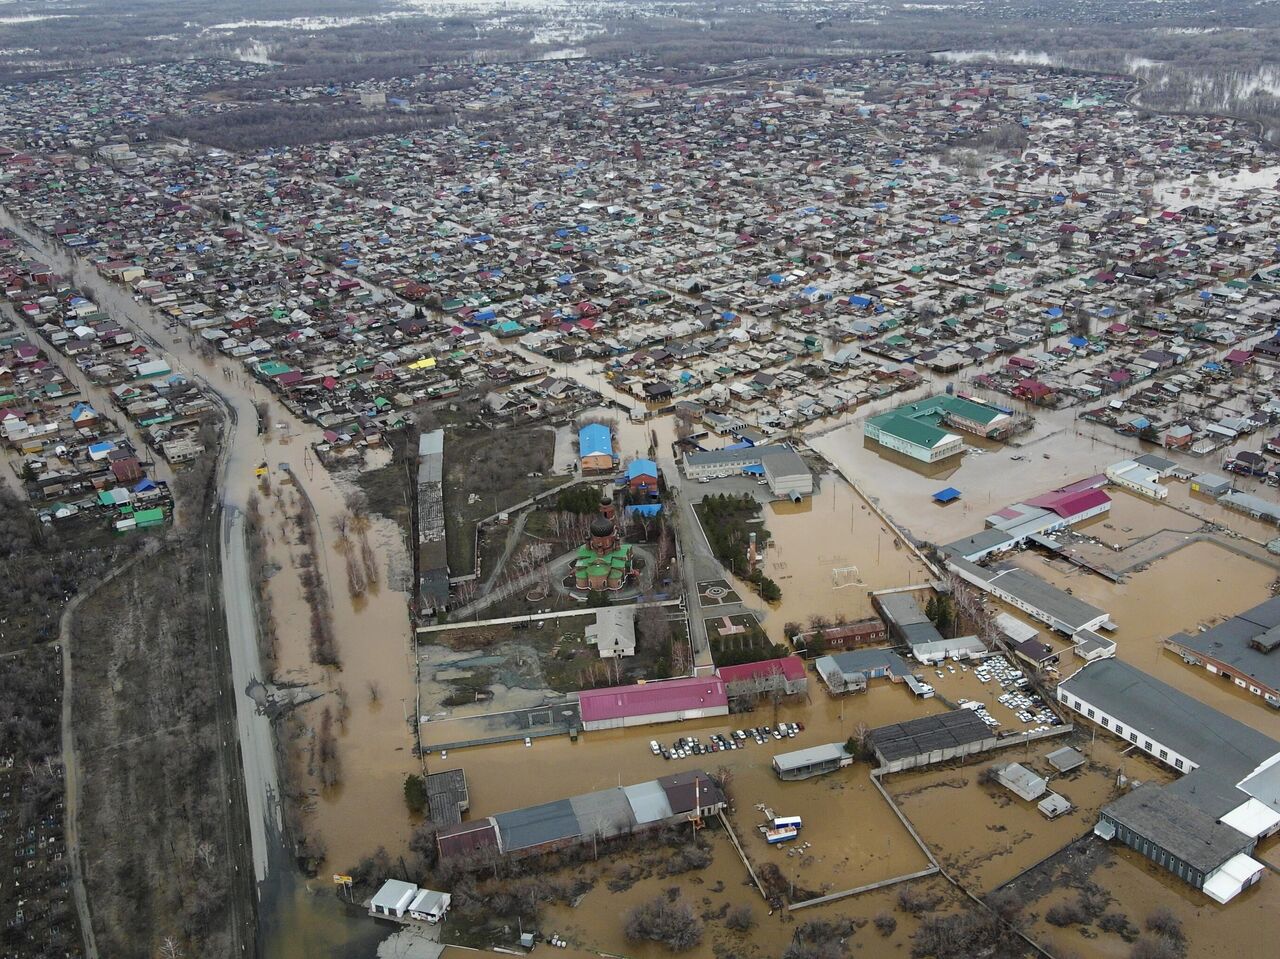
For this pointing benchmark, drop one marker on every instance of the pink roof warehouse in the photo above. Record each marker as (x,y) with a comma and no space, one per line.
(660,702)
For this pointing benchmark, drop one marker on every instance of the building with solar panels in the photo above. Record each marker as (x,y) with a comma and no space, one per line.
(931,739)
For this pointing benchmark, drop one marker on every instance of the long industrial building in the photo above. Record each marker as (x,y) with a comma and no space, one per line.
(433,559)
(599,815)
(1204,826)
(1032,595)
(931,739)
(666,701)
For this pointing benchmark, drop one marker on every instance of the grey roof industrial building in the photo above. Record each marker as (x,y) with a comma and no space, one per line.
(849,671)
(1033,595)
(931,739)
(1182,828)
(605,813)
(1227,800)
(447,796)
(1244,649)
(1215,742)
(538,825)
(909,623)
(814,761)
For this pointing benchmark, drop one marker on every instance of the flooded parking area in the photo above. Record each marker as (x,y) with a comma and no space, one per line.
(603,758)
(998,685)
(850,835)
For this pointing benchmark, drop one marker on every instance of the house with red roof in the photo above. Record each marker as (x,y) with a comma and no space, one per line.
(785,675)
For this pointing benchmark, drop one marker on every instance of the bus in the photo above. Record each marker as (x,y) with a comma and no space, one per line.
(775,836)
(787,822)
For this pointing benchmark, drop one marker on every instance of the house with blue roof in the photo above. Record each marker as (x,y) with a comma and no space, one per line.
(642,476)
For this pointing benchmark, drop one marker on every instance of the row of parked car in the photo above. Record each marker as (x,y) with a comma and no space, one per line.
(719,742)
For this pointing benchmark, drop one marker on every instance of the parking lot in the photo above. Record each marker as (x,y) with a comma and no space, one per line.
(997,690)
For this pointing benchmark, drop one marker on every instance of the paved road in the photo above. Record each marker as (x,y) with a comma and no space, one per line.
(697,561)
(261,777)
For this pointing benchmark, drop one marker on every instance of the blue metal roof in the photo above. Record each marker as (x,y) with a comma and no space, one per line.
(641,468)
(946,495)
(594,439)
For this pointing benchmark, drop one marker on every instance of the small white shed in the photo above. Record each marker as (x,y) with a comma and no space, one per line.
(429,905)
(393,899)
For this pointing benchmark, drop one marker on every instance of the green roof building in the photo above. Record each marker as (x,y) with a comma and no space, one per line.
(919,429)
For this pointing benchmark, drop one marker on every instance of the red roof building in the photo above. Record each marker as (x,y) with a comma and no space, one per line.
(660,702)
(468,838)
(1074,506)
(786,675)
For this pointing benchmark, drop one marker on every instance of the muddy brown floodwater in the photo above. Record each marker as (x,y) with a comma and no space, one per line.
(854,836)
(1246,927)
(827,553)
(366,808)
(1199,583)
(986,834)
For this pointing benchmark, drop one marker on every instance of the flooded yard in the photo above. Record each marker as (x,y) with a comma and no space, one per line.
(988,480)
(1059,450)
(1136,887)
(827,554)
(984,834)
(595,926)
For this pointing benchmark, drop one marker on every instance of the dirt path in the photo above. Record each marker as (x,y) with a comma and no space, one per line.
(513,537)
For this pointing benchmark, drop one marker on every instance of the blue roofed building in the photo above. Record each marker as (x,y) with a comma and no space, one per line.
(595,447)
(642,476)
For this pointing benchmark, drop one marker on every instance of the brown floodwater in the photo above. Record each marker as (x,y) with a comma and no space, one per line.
(988,835)
(372,636)
(1243,927)
(366,809)
(813,546)
(595,926)
(852,835)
